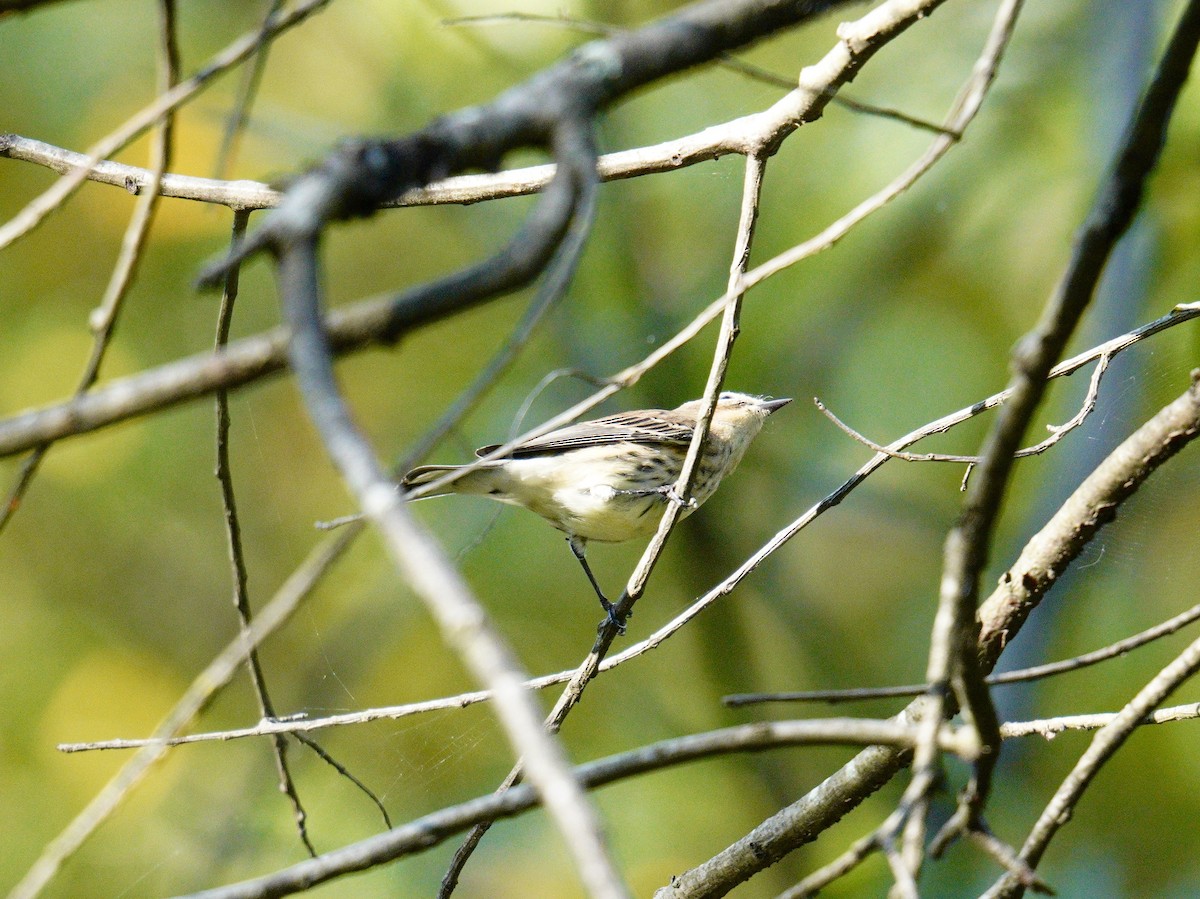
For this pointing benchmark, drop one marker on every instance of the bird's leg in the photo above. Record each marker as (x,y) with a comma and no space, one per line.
(666,491)
(578,546)
(642,491)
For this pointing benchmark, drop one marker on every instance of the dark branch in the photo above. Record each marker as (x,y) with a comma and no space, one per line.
(362,174)
(431,830)
(956,633)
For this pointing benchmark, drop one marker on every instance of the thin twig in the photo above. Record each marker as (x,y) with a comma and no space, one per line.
(952,653)
(1004,855)
(432,829)
(1018,675)
(320,752)
(1049,728)
(1113,347)
(850,859)
(1104,745)
(1058,432)
(613,625)
(853,694)
(237,559)
(722,353)
(1112,651)
(103,319)
(237,51)
(247,91)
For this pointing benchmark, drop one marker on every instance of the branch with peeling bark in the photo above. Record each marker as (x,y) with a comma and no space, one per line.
(1054,548)
(952,670)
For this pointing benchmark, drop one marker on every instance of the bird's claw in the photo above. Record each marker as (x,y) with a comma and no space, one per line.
(673,496)
(611,619)
(667,492)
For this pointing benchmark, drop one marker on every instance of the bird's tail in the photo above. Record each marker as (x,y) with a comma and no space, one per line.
(480,480)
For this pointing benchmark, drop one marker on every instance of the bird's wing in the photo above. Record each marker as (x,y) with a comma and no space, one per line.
(652,426)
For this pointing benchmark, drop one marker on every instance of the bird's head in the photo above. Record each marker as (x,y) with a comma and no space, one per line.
(737,414)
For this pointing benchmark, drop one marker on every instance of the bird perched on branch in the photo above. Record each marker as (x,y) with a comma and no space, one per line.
(608,479)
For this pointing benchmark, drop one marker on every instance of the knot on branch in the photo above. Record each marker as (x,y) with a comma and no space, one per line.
(365,173)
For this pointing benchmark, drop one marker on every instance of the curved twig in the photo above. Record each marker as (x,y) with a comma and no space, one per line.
(952,653)
(431,830)
(103,319)
(236,52)
(1047,555)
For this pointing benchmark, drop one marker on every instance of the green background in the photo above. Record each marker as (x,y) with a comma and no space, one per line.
(114,582)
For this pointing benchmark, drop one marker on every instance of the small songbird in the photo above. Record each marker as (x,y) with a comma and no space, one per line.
(609,479)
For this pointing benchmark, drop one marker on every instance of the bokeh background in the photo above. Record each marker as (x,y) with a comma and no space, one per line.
(114,582)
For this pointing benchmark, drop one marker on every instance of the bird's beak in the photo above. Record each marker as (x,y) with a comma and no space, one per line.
(772,405)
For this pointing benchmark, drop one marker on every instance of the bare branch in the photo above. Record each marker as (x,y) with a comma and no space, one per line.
(247,91)
(194,699)
(103,320)
(1046,556)
(1049,728)
(1058,432)
(29,217)
(751,195)
(1111,347)
(1018,675)
(432,829)
(1104,745)
(952,654)
(237,561)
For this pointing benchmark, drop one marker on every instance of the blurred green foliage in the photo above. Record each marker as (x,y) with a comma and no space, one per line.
(114,583)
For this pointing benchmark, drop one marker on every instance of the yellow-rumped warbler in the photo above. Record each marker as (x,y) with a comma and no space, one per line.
(604,479)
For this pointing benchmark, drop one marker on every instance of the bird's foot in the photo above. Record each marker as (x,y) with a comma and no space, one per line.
(666,491)
(611,618)
(672,496)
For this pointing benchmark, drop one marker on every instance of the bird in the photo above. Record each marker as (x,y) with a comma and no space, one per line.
(602,479)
